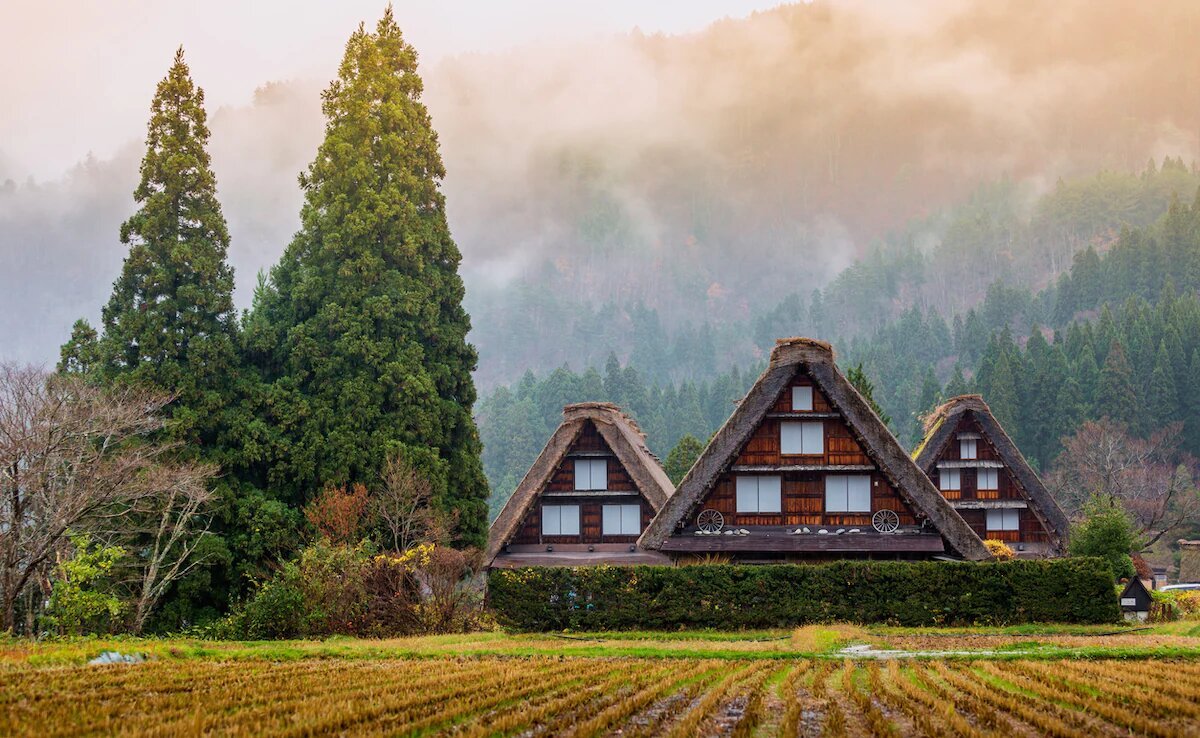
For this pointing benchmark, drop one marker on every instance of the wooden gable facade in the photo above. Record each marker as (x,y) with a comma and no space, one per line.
(803,475)
(586,499)
(804,470)
(566,489)
(979,470)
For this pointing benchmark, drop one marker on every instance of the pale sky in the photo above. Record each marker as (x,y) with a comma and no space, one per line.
(77,75)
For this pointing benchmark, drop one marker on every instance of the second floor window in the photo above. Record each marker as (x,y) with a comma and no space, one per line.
(802,438)
(989,479)
(591,474)
(950,479)
(802,399)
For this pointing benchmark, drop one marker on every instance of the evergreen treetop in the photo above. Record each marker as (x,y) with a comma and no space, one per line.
(361,330)
(170,321)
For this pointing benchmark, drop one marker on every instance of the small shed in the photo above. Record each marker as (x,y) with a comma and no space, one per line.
(1135,600)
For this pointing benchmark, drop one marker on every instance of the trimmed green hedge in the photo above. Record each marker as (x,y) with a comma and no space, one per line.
(1073,590)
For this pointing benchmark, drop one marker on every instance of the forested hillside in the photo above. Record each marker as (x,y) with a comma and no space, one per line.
(1115,335)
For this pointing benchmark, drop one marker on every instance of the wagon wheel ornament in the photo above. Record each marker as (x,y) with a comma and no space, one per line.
(710,520)
(885,521)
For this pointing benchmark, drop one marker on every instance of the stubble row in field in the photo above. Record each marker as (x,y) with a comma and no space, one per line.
(604,696)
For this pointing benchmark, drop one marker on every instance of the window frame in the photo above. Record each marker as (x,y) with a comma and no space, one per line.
(993,473)
(622,508)
(846,508)
(1003,513)
(944,481)
(590,465)
(741,494)
(799,407)
(804,427)
(962,449)
(558,516)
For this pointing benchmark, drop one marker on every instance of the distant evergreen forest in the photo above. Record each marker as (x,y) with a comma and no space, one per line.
(1086,308)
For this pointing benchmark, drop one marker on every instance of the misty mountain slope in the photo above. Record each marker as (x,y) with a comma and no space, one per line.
(647,184)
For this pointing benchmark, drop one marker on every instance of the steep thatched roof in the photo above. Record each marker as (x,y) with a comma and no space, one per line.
(816,357)
(621,434)
(940,426)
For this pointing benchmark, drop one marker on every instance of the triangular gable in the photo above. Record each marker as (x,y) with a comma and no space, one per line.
(816,359)
(623,438)
(940,428)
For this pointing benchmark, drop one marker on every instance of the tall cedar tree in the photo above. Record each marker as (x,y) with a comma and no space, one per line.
(361,329)
(1116,397)
(170,322)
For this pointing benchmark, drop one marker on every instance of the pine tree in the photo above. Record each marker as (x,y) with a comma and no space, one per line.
(1115,395)
(1087,374)
(170,322)
(1001,394)
(958,383)
(1191,406)
(681,458)
(1162,402)
(79,354)
(866,388)
(361,330)
(931,395)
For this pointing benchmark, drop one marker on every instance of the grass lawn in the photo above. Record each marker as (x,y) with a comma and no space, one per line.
(1171,640)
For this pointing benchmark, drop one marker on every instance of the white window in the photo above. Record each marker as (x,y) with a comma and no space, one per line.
(989,479)
(847,493)
(622,520)
(591,474)
(759,494)
(802,398)
(802,438)
(560,520)
(1004,520)
(950,479)
(967,448)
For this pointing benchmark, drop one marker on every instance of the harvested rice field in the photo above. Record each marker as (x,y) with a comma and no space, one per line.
(585,696)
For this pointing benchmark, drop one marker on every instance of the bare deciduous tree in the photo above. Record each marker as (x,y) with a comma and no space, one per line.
(1150,478)
(73,458)
(175,513)
(404,507)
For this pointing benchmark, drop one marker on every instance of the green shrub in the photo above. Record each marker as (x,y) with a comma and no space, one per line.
(84,595)
(277,610)
(728,596)
(347,590)
(1107,532)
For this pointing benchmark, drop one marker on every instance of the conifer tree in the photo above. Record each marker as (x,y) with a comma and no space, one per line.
(79,354)
(1191,406)
(1115,395)
(361,330)
(681,458)
(866,388)
(170,321)
(1001,394)
(958,383)
(931,395)
(1162,402)
(1087,373)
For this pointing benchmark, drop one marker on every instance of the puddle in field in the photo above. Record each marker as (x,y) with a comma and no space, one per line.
(865,651)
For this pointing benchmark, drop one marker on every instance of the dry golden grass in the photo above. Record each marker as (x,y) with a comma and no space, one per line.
(530,696)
